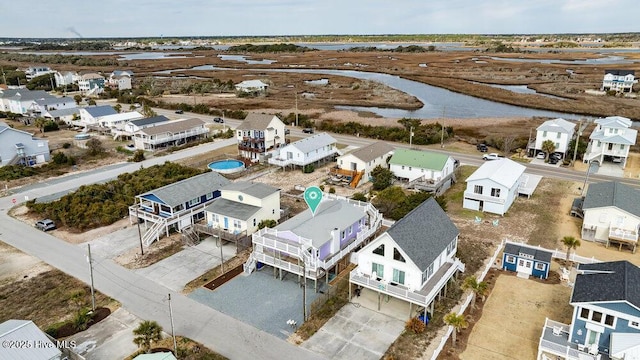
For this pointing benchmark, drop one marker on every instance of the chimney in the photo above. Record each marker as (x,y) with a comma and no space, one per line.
(335,240)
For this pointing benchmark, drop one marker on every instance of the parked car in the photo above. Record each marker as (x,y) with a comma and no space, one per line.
(482,147)
(218,120)
(179,112)
(45,225)
(541,156)
(307,130)
(492,156)
(556,156)
(617,160)
(287,131)
(553,160)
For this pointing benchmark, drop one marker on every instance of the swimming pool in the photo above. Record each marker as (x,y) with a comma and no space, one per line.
(229,166)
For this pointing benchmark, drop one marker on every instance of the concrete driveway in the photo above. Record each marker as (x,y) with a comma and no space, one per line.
(177,270)
(115,243)
(111,338)
(355,333)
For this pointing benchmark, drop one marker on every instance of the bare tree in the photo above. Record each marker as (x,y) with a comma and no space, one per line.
(507,145)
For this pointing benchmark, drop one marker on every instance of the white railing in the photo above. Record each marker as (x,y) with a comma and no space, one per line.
(564,349)
(306,161)
(623,234)
(283,264)
(152,234)
(154,139)
(491,199)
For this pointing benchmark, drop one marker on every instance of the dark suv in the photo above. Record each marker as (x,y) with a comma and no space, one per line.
(482,147)
(307,130)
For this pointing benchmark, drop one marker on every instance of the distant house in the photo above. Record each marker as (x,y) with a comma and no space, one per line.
(40,106)
(20,147)
(139,124)
(559,131)
(91,84)
(118,121)
(64,78)
(611,140)
(23,333)
(305,151)
(120,80)
(19,101)
(35,71)
(242,206)
(424,170)
(413,260)
(170,134)
(363,161)
(526,259)
(313,245)
(259,133)
(494,186)
(178,205)
(91,115)
(606,316)
(66,115)
(611,212)
(619,80)
(252,86)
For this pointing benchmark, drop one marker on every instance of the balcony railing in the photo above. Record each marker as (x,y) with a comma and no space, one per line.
(555,340)
(248,147)
(302,162)
(623,234)
(161,139)
(474,196)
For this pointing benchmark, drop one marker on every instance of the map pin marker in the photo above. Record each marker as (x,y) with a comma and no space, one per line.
(313,197)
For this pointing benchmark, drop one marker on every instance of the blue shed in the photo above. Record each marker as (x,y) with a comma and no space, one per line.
(530,260)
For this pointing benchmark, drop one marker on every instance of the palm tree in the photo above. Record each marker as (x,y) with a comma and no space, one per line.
(77,99)
(39,123)
(117,107)
(571,243)
(458,322)
(147,333)
(478,288)
(549,148)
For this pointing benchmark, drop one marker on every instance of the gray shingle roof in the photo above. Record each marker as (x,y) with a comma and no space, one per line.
(538,254)
(63,112)
(150,120)
(607,281)
(26,95)
(330,214)
(255,121)
(620,72)
(424,233)
(173,127)
(615,194)
(26,330)
(557,125)
(188,189)
(232,209)
(372,151)
(101,110)
(258,190)
(55,100)
(314,142)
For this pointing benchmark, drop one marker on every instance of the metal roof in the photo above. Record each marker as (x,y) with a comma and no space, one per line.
(232,209)
(372,151)
(503,171)
(330,214)
(557,125)
(26,331)
(424,233)
(258,190)
(150,120)
(188,189)
(156,356)
(419,159)
(620,72)
(255,121)
(101,110)
(26,95)
(55,100)
(173,127)
(614,122)
(312,143)
(63,112)
(615,194)
(607,281)
(537,253)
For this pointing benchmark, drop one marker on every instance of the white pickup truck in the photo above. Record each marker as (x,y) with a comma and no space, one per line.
(492,156)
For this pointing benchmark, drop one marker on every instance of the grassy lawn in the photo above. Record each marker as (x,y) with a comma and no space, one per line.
(48,298)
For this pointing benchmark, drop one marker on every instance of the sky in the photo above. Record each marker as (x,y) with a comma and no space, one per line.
(155,18)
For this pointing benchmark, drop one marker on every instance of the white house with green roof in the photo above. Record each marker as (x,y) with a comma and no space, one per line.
(421,167)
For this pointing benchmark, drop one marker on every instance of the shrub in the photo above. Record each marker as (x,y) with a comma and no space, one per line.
(359,196)
(94,146)
(50,125)
(415,325)
(81,319)
(66,145)
(307,169)
(138,156)
(53,329)
(332,190)
(321,187)
(269,223)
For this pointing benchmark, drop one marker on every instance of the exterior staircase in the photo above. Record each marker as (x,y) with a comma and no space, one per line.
(153,233)
(356,179)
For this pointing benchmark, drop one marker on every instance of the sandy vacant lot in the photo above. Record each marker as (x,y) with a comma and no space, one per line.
(513,316)
(16,265)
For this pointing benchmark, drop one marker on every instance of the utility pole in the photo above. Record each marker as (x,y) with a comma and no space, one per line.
(443,128)
(586,178)
(220,244)
(173,333)
(4,77)
(304,291)
(296,108)
(139,233)
(93,294)
(575,148)
(51,79)
(410,136)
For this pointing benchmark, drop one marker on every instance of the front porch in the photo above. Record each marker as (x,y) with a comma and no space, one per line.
(554,344)
(623,237)
(437,186)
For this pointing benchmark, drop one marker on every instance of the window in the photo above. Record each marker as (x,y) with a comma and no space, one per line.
(558,135)
(634,324)
(541,266)
(402,167)
(584,313)
(397,256)
(215,218)
(378,269)
(477,189)
(510,259)
(237,224)
(596,316)
(194,202)
(495,192)
(273,211)
(239,133)
(451,247)
(343,233)
(254,222)
(544,134)
(379,250)
(398,276)
(608,320)
(410,168)
(621,146)
(209,196)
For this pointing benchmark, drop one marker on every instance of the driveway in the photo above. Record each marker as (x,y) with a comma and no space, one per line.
(610,169)
(115,243)
(177,270)
(111,338)
(355,333)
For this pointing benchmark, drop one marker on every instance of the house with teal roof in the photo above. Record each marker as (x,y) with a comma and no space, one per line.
(424,170)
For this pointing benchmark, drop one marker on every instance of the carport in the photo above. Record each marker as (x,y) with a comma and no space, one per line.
(528,184)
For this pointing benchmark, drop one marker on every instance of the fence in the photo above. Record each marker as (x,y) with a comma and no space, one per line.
(466,302)
(338,287)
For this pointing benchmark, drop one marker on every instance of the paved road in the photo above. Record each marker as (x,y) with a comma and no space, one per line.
(140,296)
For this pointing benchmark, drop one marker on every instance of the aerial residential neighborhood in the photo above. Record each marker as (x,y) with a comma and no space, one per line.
(177,183)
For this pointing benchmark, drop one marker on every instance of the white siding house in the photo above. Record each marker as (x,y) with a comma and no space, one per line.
(611,140)
(417,164)
(611,213)
(413,260)
(259,133)
(242,206)
(20,147)
(305,151)
(364,160)
(172,133)
(619,80)
(91,115)
(559,131)
(493,186)
(252,86)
